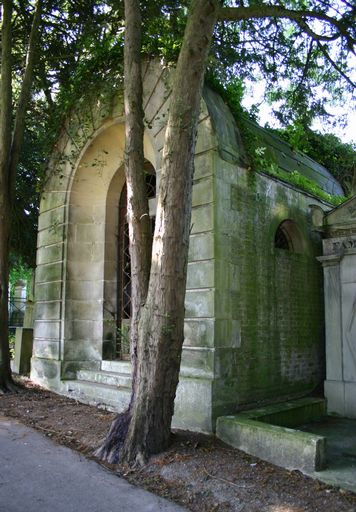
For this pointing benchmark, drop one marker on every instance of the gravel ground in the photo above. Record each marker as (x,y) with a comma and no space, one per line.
(197,471)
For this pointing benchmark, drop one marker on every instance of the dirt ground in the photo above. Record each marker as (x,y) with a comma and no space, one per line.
(198,471)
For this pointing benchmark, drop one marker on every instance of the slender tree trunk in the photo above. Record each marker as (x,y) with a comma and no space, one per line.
(5,370)
(137,199)
(161,322)
(5,158)
(10,146)
(137,210)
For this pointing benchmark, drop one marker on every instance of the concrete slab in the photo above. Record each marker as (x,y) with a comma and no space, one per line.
(38,475)
(340,434)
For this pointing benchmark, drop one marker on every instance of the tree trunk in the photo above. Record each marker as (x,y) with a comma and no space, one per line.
(10,146)
(137,200)
(137,210)
(161,323)
(5,221)
(6,383)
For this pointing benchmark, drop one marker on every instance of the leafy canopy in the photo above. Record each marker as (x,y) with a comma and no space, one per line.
(302,49)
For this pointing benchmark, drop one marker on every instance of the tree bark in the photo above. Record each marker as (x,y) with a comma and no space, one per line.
(137,200)
(10,146)
(161,322)
(137,210)
(5,157)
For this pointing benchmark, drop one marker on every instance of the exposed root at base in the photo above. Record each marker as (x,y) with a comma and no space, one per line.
(110,449)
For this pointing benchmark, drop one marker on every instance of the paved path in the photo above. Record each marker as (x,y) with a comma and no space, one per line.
(37,475)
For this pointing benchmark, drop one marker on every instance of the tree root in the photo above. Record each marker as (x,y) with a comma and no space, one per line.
(110,449)
(8,386)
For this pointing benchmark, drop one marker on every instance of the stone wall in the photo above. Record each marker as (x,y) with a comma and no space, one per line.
(269,311)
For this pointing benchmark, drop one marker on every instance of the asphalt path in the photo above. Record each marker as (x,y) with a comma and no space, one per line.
(38,475)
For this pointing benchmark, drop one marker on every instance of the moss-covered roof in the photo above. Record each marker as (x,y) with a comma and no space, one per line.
(231,146)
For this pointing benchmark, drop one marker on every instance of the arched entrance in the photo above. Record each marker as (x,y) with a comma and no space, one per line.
(117,293)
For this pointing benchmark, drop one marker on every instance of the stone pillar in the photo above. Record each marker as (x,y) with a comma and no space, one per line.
(339,263)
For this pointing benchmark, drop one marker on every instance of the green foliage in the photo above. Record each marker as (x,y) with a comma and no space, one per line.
(18,271)
(82,52)
(12,338)
(328,150)
(338,157)
(300,181)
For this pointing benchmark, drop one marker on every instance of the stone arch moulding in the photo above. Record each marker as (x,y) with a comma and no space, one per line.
(90,266)
(83,149)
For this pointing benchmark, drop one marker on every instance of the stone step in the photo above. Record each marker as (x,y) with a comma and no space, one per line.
(110,397)
(105,377)
(116,366)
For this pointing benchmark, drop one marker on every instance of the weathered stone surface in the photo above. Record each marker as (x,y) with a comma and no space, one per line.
(265,433)
(49,291)
(199,333)
(350,399)
(48,310)
(348,299)
(200,274)
(23,351)
(52,218)
(193,406)
(199,304)
(282,446)
(335,395)
(52,199)
(198,361)
(50,272)
(203,192)
(204,165)
(48,329)
(201,247)
(50,236)
(333,333)
(46,372)
(46,349)
(202,219)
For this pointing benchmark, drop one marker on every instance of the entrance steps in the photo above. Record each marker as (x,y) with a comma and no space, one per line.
(109,387)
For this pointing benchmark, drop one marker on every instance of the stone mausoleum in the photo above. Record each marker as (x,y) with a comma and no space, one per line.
(254,317)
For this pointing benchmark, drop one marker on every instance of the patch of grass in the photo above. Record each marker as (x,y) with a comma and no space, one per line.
(300,181)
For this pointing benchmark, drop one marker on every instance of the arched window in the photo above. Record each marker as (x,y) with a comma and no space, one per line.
(289,238)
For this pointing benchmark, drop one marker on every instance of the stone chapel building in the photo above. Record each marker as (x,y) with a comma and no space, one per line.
(254,318)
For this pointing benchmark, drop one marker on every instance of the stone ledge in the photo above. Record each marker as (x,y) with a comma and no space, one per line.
(283,446)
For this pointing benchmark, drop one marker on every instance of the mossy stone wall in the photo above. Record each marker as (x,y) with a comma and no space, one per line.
(268,301)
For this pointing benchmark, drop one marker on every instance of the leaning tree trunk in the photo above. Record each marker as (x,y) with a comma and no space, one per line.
(137,210)
(160,336)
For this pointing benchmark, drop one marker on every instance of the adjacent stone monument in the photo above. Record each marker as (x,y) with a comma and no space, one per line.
(339,262)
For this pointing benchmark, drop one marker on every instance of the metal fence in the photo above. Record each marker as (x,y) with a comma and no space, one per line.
(17,308)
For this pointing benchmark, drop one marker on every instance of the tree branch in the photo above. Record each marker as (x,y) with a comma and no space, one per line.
(272,11)
(24,97)
(334,65)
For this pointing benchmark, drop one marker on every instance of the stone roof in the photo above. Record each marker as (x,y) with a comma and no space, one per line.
(231,147)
